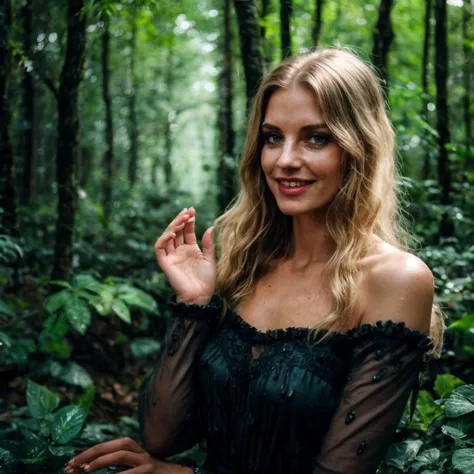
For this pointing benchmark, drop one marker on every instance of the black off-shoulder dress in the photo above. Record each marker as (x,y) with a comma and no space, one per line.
(270,402)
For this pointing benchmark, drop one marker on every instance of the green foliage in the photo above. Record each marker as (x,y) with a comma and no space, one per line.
(447,432)
(42,442)
(74,303)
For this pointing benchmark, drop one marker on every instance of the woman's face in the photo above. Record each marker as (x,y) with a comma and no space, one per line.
(299,145)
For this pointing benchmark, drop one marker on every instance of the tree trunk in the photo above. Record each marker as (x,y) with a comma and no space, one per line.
(383,37)
(250,45)
(167,165)
(441,74)
(468,39)
(8,199)
(108,162)
(226,172)
(286,9)
(29,109)
(424,80)
(317,25)
(263,31)
(133,163)
(67,144)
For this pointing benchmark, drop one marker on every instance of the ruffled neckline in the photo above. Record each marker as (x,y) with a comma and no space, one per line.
(366,332)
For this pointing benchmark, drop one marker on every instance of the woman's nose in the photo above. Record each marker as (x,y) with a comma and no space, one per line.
(289,156)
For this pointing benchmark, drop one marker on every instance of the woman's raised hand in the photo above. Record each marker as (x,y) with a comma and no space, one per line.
(190,271)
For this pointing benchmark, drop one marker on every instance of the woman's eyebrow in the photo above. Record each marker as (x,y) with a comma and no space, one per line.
(313,126)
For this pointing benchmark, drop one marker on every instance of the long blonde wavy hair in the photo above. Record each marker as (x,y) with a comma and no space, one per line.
(253,233)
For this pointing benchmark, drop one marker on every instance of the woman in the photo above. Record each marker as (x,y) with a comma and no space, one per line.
(298,350)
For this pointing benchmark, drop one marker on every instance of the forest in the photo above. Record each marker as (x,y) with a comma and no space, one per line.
(117,114)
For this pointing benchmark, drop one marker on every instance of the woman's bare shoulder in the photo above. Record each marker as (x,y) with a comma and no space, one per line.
(396,285)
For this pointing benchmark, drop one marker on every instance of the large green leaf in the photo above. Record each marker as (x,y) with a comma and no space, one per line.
(35,449)
(401,454)
(121,310)
(142,347)
(458,404)
(54,329)
(464,324)
(88,282)
(86,399)
(40,400)
(463,460)
(75,374)
(8,461)
(427,408)
(452,432)
(135,297)
(62,450)
(57,301)
(78,314)
(67,423)
(445,384)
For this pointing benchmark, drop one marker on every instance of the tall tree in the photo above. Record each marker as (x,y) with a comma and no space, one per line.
(317,22)
(8,199)
(383,37)
(424,80)
(29,111)
(441,75)
(226,172)
(133,123)
(286,9)
(108,162)
(263,30)
(250,45)
(67,142)
(468,64)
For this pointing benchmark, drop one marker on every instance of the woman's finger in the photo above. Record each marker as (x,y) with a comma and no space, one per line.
(105,448)
(170,243)
(120,458)
(178,218)
(189,233)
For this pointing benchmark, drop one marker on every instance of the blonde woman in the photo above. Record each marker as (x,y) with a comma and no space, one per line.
(298,350)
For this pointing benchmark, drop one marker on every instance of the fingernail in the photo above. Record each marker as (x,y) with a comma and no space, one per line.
(86,467)
(191,220)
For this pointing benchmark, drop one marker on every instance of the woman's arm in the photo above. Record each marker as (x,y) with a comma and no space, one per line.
(169,403)
(388,357)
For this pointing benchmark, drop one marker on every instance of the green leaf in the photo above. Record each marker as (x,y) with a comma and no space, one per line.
(57,301)
(5,309)
(75,374)
(67,423)
(430,456)
(445,384)
(135,297)
(99,432)
(62,283)
(142,347)
(86,399)
(121,310)
(463,460)
(62,450)
(78,314)
(35,449)
(87,282)
(452,432)
(466,391)
(40,400)
(427,408)
(457,404)
(401,454)
(54,329)
(8,461)
(463,324)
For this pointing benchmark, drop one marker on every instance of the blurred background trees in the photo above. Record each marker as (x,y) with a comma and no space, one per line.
(117,114)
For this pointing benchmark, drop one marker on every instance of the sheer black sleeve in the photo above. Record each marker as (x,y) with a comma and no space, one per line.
(168,403)
(387,361)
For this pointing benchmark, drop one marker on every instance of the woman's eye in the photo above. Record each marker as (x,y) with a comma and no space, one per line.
(272,138)
(318,140)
